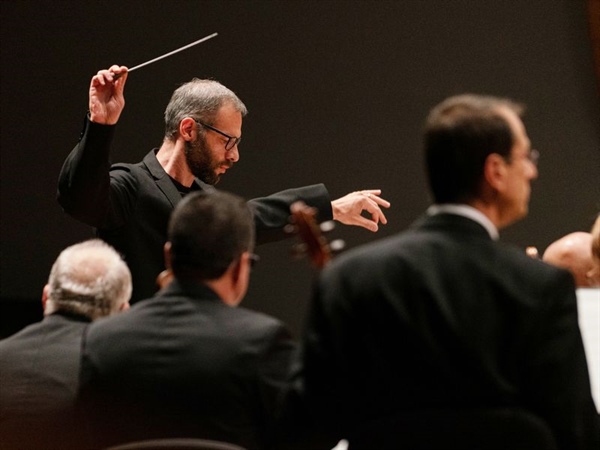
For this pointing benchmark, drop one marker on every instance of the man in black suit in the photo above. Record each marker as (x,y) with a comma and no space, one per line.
(188,362)
(130,204)
(443,316)
(39,366)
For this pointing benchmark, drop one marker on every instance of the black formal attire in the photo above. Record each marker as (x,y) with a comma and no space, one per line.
(184,364)
(442,316)
(130,204)
(39,369)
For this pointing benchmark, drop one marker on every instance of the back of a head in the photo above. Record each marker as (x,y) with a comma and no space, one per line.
(89,279)
(207,232)
(596,243)
(201,100)
(573,252)
(460,133)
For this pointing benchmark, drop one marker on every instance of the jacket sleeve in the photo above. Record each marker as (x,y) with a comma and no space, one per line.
(87,189)
(272,213)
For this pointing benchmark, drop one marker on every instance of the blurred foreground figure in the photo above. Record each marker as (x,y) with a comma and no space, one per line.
(443,317)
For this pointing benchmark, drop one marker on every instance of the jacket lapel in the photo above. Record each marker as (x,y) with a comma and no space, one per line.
(164,182)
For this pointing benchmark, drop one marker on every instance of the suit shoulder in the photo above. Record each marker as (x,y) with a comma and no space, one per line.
(256,320)
(369,254)
(18,339)
(134,169)
(520,262)
(107,325)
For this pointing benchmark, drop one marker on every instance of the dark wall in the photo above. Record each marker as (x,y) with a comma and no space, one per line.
(337,92)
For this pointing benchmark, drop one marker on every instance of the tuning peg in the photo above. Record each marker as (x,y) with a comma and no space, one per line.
(337,246)
(327,226)
(290,228)
(532,252)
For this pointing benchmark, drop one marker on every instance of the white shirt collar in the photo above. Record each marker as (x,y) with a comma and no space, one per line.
(465,211)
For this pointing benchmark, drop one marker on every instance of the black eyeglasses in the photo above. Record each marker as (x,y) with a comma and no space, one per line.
(232,141)
(533,156)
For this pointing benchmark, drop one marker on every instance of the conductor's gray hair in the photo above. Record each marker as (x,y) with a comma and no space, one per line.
(200,100)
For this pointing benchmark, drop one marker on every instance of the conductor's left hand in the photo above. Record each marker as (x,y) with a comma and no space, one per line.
(348,209)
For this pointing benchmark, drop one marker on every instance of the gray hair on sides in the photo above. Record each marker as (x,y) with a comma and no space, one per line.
(90,279)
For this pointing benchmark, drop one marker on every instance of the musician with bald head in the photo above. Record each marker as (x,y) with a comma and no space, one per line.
(574,252)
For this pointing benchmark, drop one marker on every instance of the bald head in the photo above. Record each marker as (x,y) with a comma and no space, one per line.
(574,252)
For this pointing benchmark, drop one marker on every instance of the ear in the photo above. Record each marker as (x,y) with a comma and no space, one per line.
(124,306)
(495,172)
(236,270)
(167,254)
(188,129)
(45,295)
(239,276)
(593,277)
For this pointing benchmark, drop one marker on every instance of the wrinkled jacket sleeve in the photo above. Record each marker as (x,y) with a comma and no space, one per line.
(87,190)
(272,213)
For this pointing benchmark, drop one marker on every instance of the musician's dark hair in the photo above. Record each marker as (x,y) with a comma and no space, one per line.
(460,133)
(207,232)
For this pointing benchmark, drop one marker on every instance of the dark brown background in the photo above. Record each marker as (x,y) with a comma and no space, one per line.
(337,92)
